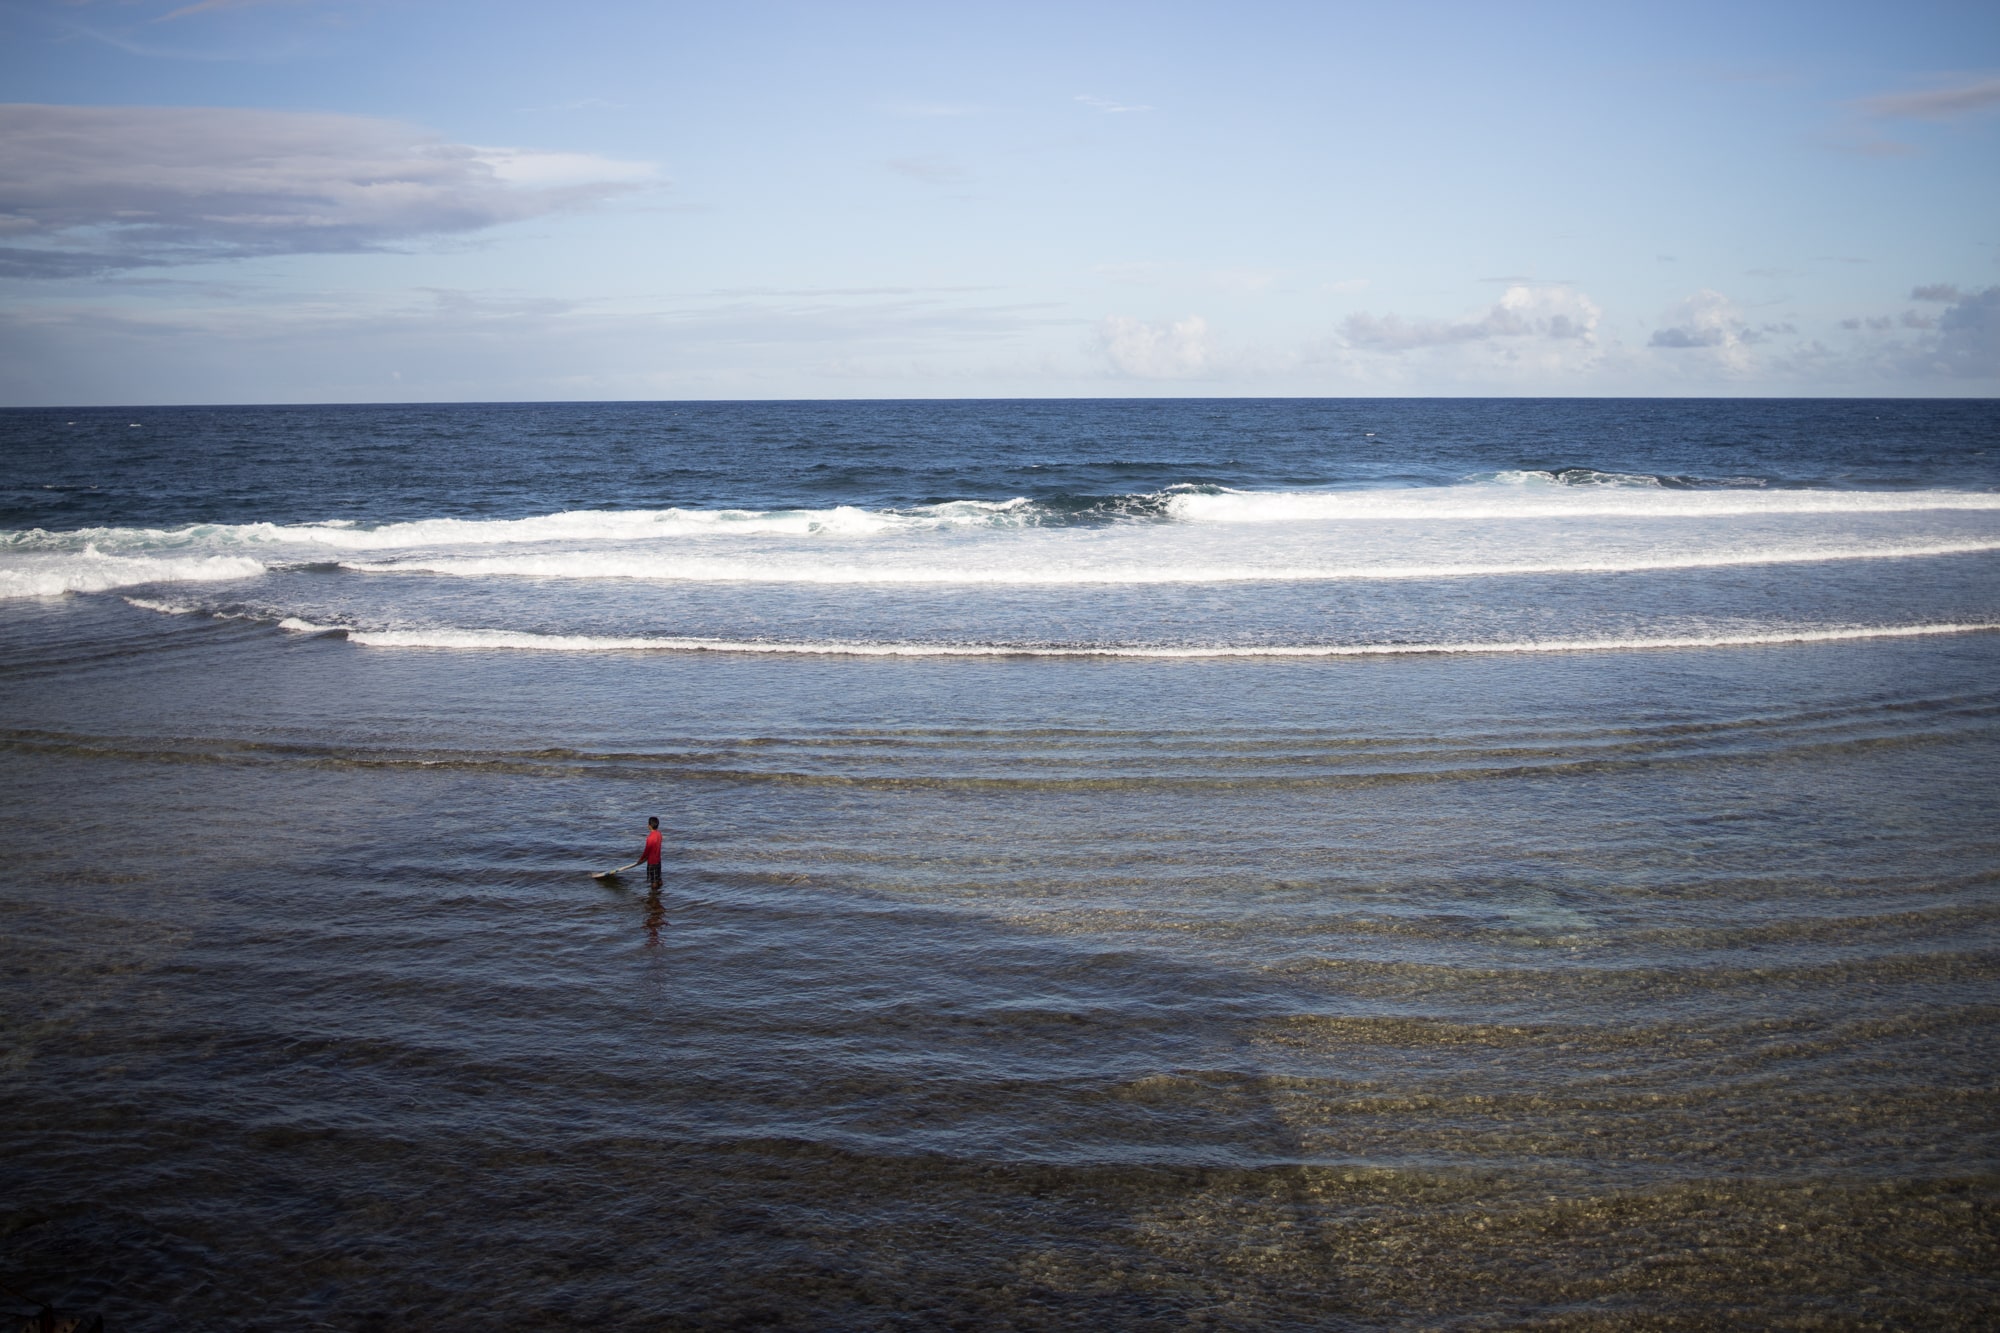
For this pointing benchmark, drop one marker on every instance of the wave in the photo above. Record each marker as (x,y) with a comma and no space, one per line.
(93,571)
(1590,476)
(1057,571)
(1186,534)
(1189,504)
(579,525)
(477,639)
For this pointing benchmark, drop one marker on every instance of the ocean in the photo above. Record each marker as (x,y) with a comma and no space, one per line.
(1284,864)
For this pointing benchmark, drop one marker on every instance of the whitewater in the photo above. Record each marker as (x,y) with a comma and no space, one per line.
(1502,526)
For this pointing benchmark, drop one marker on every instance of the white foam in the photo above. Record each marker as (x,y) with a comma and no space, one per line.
(1574,477)
(586,526)
(1482,529)
(90,570)
(1503,501)
(463,639)
(1143,562)
(1493,500)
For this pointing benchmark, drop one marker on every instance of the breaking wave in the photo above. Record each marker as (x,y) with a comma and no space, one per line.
(1503,524)
(1505,495)
(91,570)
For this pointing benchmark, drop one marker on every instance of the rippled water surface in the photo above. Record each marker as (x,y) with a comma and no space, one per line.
(1262,865)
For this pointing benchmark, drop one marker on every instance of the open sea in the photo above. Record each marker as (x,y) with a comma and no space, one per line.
(1130,865)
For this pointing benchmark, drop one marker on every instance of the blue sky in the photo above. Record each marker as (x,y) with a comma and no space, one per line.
(358,200)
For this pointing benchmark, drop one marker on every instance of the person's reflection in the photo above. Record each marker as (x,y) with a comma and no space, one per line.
(656,916)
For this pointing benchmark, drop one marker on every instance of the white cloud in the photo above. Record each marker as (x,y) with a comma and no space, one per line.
(1707,322)
(537,170)
(1163,351)
(92,189)
(1914,350)
(1522,315)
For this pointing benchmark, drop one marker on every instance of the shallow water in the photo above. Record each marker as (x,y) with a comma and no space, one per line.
(1610,987)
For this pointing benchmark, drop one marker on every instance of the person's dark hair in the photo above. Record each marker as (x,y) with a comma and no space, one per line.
(653,821)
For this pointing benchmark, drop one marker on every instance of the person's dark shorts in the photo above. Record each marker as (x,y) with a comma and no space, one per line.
(652,874)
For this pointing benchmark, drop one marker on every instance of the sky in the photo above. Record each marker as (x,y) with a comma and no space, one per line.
(209,201)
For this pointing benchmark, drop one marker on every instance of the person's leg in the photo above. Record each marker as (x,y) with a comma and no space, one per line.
(653,874)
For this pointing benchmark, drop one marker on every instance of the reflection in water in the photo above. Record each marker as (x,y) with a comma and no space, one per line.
(656,916)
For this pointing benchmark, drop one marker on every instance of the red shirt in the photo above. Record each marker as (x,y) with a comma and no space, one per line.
(651,856)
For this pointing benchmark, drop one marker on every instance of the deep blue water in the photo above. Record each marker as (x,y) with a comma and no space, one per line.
(1272,864)
(90,467)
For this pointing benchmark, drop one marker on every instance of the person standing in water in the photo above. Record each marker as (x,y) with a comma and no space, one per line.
(651,855)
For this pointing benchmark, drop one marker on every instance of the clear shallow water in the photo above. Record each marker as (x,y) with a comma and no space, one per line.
(1274,976)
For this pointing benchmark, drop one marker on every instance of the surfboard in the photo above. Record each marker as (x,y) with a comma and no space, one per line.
(613,874)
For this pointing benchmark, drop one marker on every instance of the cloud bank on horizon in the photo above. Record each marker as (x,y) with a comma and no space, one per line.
(303,200)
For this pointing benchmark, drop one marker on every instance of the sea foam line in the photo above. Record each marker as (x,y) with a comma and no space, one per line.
(574,643)
(581,565)
(90,570)
(1490,501)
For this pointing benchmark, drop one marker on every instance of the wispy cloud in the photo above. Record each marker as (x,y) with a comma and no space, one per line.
(1523,313)
(207,31)
(846,291)
(1867,143)
(1111,106)
(931,170)
(480,344)
(1863,138)
(1245,280)
(1936,103)
(211,6)
(98,189)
